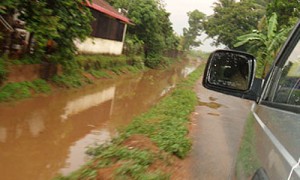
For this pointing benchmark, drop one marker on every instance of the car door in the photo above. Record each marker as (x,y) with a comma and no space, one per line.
(270,148)
(277,131)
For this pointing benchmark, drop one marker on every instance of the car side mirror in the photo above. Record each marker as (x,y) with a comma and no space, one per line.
(231,72)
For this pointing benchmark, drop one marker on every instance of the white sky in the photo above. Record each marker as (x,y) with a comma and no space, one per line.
(179,18)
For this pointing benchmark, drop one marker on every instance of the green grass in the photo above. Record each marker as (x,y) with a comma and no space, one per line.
(166,124)
(21,90)
(26,60)
(97,62)
(99,74)
(247,161)
(74,80)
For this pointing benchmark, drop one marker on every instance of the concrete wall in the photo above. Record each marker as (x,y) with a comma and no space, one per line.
(99,46)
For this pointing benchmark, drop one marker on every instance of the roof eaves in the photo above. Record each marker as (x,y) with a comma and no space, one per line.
(108,12)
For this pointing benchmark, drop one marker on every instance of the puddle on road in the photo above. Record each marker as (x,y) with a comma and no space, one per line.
(212,105)
(44,136)
(212,98)
(213,114)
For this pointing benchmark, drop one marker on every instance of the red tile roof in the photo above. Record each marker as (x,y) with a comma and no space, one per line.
(104,7)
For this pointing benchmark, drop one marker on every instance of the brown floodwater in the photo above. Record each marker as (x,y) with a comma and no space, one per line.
(48,135)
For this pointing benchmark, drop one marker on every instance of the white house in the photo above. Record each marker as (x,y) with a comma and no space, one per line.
(109,29)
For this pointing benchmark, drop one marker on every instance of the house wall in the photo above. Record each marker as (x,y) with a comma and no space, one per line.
(107,27)
(99,46)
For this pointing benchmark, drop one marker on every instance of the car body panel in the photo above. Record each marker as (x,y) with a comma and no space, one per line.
(275,139)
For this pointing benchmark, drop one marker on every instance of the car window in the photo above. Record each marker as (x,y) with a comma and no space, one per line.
(286,82)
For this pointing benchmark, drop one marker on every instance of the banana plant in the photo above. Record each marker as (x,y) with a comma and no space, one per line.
(266,41)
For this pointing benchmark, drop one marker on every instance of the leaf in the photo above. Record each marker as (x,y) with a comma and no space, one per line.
(278,40)
(272,26)
(249,37)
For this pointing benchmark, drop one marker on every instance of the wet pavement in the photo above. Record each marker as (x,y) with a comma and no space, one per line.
(216,132)
(44,136)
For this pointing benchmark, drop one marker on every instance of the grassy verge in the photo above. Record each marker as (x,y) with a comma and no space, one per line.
(97,62)
(98,67)
(145,149)
(247,162)
(83,70)
(21,90)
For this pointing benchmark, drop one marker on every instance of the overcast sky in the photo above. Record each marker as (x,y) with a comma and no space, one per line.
(179,18)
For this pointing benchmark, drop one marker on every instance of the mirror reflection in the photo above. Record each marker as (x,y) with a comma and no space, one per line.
(231,70)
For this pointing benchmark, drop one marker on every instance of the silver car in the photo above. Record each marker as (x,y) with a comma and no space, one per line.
(270,148)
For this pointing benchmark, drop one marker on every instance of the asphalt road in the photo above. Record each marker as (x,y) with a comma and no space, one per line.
(216,132)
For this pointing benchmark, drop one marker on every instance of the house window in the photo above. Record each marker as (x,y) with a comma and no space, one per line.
(106,27)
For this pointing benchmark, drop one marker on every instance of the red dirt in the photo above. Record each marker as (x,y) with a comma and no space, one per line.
(176,167)
(141,142)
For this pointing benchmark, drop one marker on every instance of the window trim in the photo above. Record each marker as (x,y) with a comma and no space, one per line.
(282,106)
(279,62)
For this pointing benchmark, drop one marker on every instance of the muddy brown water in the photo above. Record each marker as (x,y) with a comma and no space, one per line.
(48,135)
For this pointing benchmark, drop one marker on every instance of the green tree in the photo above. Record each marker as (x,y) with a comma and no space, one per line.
(152,27)
(232,19)
(196,19)
(267,40)
(288,11)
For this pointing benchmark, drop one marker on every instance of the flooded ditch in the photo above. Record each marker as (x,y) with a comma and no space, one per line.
(48,135)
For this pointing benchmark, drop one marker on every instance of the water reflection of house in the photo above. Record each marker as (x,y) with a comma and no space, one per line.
(108,30)
(83,103)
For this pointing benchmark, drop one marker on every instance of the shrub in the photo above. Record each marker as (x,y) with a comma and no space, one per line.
(153,60)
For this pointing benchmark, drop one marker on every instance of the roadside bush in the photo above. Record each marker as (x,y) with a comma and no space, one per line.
(138,62)
(153,61)
(133,46)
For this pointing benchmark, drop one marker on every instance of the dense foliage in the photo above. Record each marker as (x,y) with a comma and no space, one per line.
(232,19)
(288,12)
(60,21)
(268,39)
(63,21)
(257,26)
(152,28)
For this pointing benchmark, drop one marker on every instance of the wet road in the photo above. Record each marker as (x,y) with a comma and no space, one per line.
(217,127)
(44,136)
